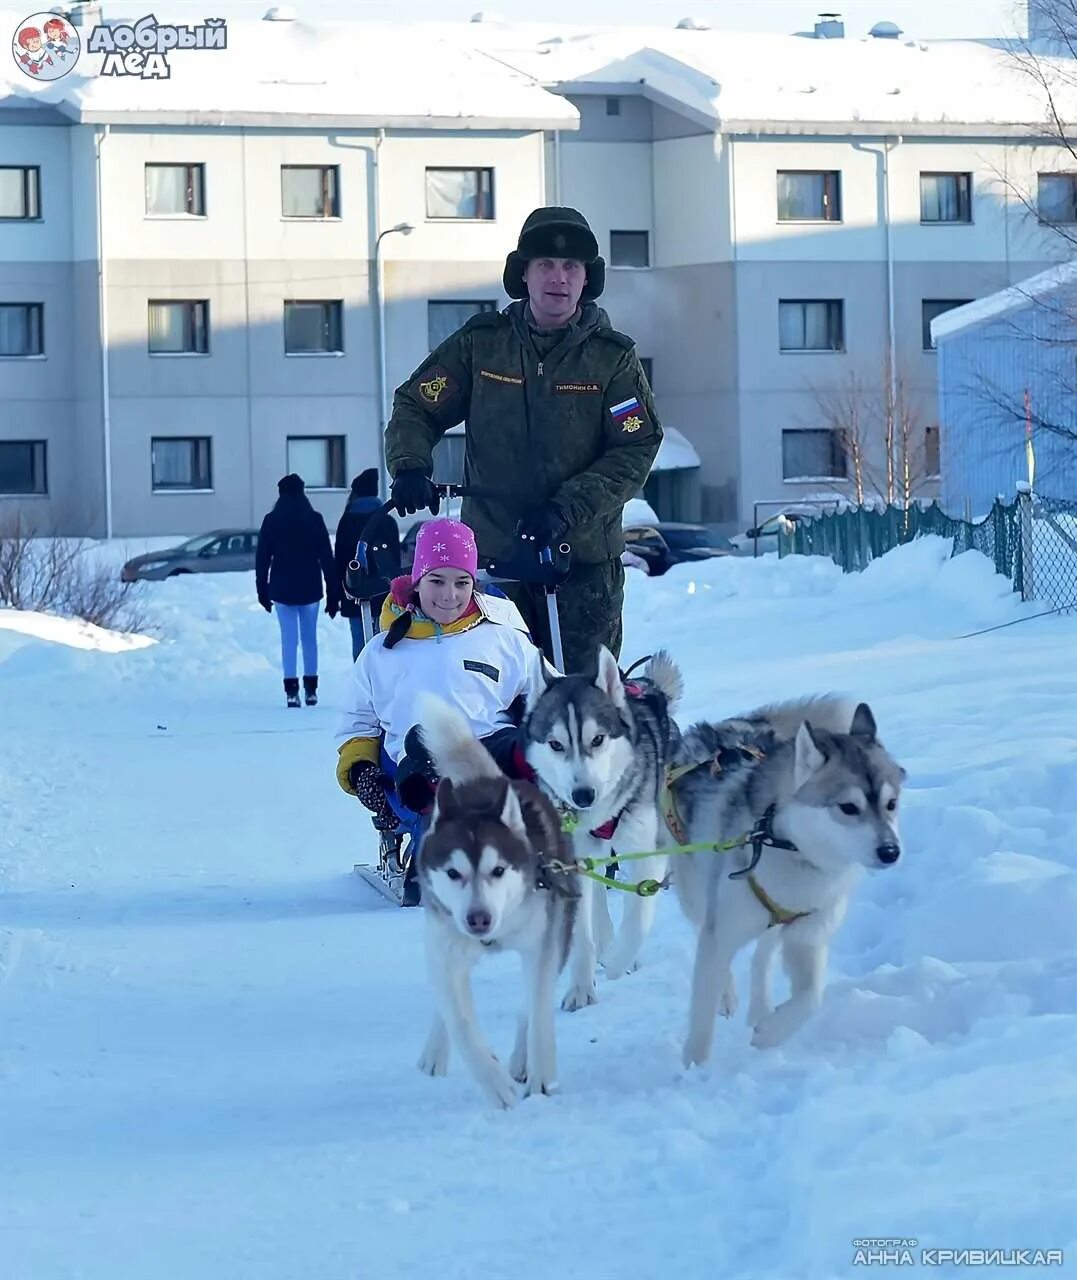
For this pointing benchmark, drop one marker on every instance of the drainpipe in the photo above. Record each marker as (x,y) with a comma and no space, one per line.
(888,145)
(557,166)
(379,315)
(102,312)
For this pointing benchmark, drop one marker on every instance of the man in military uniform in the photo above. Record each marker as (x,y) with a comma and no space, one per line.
(561,429)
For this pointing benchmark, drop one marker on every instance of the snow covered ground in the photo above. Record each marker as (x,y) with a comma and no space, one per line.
(208,1027)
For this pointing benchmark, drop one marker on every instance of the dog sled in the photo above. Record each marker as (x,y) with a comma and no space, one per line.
(369,574)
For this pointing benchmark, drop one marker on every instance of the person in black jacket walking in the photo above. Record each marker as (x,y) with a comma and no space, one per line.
(362,503)
(293,556)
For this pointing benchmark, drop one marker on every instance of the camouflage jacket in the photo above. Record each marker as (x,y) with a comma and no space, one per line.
(575,427)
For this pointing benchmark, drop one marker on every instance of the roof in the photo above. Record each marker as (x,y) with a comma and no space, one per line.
(1005,302)
(357,75)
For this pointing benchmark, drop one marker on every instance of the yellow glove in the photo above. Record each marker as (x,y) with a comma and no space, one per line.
(352,753)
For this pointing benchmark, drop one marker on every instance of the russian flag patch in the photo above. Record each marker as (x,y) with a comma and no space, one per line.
(623,409)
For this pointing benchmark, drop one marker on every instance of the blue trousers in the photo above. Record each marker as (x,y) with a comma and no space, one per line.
(298,622)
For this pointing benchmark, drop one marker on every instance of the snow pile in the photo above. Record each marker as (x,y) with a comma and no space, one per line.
(209,1026)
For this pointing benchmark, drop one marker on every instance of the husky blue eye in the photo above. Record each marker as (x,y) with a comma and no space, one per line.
(598,739)
(850,810)
(453,874)
(554,745)
(498,872)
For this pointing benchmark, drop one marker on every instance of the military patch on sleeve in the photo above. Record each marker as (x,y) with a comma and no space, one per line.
(483,668)
(629,415)
(437,386)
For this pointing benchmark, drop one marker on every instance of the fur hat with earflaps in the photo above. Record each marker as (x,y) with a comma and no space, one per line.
(555,232)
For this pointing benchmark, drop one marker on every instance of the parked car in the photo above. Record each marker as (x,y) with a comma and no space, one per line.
(665,544)
(222,551)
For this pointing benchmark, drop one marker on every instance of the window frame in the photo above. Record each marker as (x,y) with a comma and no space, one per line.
(839,303)
(40,353)
(336,461)
(332,171)
(192,167)
(832,194)
(929,347)
(631,266)
(964,198)
(188,303)
(197,441)
(1071,176)
(837,451)
(329,352)
(460,168)
(31,192)
(484,306)
(935,474)
(37,448)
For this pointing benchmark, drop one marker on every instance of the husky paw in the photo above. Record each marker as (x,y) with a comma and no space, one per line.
(758,1013)
(497,1084)
(727,1005)
(770,1031)
(619,964)
(695,1053)
(518,1067)
(579,997)
(434,1059)
(540,1087)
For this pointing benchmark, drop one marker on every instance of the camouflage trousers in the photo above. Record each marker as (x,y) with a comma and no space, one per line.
(589,605)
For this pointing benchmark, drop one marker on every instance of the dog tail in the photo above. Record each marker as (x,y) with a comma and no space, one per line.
(666,677)
(457,753)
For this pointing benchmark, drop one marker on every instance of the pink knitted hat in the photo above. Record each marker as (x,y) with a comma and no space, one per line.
(444,544)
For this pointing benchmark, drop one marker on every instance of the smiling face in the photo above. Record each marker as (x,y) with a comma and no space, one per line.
(444,594)
(554,288)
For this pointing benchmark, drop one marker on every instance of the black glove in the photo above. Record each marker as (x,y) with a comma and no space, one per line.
(265,602)
(332,607)
(413,489)
(365,778)
(543,526)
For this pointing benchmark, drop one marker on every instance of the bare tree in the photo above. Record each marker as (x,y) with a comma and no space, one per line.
(882,433)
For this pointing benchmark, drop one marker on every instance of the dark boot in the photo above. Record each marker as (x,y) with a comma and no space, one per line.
(291,690)
(310,690)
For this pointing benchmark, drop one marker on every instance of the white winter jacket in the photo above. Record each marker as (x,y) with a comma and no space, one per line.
(480,671)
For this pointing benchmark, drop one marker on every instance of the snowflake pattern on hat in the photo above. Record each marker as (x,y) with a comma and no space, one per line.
(445,543)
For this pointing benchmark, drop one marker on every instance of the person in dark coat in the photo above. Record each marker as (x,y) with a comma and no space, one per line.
(362,503)
(294,556)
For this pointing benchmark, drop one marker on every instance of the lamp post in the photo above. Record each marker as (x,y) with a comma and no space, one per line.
(405,229)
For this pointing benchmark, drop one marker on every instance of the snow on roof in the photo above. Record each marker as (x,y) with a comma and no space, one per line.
(1015,298)
(362,74)
(738,78)
(675,453)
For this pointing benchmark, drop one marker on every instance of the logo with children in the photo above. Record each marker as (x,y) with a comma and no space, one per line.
(46,46)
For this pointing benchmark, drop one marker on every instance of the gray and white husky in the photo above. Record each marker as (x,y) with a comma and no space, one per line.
(487,886)
(831,789)
(599,748)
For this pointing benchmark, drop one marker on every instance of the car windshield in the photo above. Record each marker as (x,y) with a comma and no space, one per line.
(694,536)
(194,545)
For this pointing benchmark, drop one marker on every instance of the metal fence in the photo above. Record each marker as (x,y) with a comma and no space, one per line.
(1032,540)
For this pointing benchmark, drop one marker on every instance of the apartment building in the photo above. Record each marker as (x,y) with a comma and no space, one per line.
(782,218)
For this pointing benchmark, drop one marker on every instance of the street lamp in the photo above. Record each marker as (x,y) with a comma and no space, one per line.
(405,229)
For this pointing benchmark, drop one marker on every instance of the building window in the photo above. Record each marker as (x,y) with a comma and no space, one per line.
(460,193)
(811,325)
(809,195)
(309,191)
(647,362)
(175,190)
(20,193)
(613,106)
(22,329)
(945,197)
(813,455)
(1056,198)
(444,318)
(933,307)
(180,462)
(178,328)
(318,459)
(22,467)
(629,249)
(932,463)
(313,328)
